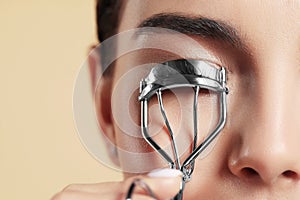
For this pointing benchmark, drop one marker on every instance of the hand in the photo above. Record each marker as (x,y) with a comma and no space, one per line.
(165,184)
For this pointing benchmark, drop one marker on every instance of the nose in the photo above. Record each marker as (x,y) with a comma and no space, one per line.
(265,160)
(266,148)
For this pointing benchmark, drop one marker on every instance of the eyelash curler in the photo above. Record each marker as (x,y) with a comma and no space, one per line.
(198,74)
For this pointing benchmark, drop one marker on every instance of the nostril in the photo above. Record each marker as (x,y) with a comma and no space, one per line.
(290,174)
(249,172)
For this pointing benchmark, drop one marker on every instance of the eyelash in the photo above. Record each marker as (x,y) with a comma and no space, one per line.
(159,56)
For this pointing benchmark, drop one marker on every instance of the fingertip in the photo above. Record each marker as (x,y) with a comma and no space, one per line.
(163,183)
(165,173)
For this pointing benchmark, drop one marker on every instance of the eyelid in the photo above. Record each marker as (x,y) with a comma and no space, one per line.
(165,46)
(179,44)
(182,45)
(159,56)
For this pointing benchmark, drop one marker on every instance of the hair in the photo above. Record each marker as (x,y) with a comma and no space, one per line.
(108,15)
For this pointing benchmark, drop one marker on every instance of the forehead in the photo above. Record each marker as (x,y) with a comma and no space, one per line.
(255,20)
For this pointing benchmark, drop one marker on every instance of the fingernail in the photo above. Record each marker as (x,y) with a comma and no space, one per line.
(165,173)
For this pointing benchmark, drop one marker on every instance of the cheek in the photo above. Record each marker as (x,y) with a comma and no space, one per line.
(208,113)
(178,105)
(157,126)
(134,153)
(179,108)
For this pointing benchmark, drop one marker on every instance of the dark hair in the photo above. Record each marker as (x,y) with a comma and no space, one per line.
(108,14)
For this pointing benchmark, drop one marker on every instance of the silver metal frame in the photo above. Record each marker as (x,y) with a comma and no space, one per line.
(198,74)
(141,184)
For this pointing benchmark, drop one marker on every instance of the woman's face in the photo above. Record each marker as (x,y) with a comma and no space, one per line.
(257,154)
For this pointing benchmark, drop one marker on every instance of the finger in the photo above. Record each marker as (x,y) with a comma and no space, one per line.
(95,192)
(94,187)
(106,193)
(89,192)
(75,195)
(164,183)
(141,197)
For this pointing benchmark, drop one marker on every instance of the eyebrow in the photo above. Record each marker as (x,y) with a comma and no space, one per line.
(199,26)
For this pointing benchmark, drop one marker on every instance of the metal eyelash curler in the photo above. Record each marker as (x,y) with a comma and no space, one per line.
(143,185)
(198,74)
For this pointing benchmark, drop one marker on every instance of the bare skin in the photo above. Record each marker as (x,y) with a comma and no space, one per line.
(257,155)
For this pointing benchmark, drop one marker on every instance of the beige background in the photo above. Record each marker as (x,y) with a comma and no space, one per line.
(42,45)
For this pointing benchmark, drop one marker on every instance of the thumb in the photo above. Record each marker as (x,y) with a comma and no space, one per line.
(163,183)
